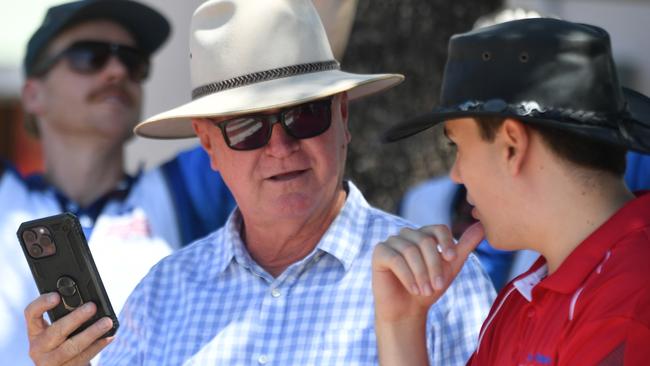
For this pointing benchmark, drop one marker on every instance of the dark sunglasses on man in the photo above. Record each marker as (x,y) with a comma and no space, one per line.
(253,131)
(90,57)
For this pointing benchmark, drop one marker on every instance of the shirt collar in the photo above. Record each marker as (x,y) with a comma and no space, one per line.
(633,216)
(525,283)
(343,239)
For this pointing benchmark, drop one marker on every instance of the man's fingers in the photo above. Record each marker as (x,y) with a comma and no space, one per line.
(35,310)
(427,259)
(421,254)
(59,331)
(470,240)
(445,241)
(387,258)
(429,241)
(83,346)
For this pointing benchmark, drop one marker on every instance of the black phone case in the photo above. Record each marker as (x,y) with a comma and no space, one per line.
(70,271)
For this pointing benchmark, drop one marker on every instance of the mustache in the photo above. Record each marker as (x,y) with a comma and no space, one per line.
(119,89)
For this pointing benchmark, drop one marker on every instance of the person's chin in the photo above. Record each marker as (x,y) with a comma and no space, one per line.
(297,204)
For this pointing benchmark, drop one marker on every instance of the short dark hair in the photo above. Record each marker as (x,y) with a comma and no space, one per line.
(576,149)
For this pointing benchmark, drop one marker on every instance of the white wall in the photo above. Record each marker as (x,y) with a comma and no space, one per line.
(169,85)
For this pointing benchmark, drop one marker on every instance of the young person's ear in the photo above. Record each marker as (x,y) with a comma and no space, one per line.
(515,137)
(202,127)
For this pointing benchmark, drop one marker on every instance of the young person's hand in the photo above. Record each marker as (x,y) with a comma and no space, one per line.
(410,272)
(413,269)
(49,345)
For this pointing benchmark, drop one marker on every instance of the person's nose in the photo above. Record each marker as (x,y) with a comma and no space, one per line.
(281,144)
(115,70)
(454,173)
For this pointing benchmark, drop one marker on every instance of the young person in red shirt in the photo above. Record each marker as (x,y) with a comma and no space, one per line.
(541,126)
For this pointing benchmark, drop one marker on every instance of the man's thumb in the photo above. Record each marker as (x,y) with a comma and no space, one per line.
(470,239)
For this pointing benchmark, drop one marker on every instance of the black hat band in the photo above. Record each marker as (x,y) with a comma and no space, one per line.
(260,76)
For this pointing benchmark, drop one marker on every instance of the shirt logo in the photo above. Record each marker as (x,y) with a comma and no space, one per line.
(535,359)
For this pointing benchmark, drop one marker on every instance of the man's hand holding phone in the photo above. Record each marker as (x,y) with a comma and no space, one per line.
(72,293)
(51,345)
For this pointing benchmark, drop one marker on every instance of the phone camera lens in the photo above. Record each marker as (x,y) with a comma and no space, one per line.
(29,236)
(45,241)
(35,250)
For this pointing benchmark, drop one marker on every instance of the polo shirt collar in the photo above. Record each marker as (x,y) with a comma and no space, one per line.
(575,269)
(343,239)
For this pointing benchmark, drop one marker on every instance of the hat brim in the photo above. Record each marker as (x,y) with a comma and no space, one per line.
(634,133)
(272,94)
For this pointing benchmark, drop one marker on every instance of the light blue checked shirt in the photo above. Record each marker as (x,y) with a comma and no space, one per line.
(211,304)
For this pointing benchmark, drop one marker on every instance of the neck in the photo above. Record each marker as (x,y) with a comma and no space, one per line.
(574,209)
(276,245)
(83,171)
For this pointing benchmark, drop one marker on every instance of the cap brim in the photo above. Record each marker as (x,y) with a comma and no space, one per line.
(272,94)
(148,26)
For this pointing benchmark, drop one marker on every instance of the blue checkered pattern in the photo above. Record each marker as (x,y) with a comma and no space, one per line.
(211,304)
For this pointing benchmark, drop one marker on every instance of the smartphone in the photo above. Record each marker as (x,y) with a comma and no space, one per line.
(58,255)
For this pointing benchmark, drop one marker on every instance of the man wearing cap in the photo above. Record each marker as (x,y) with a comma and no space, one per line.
(84,70)
(541,128)
(286,281)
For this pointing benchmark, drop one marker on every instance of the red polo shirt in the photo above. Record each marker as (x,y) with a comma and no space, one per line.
(594,310)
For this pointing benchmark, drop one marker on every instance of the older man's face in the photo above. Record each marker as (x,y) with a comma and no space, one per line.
(288,178)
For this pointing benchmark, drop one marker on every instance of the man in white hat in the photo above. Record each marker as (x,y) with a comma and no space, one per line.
(287,279)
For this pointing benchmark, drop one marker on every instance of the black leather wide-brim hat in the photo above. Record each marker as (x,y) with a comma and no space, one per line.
(541,71)
(149,28)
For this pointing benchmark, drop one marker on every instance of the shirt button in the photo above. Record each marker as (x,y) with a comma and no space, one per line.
(263,360)
(275,293)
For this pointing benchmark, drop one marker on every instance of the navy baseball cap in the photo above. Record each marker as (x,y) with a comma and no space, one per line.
(149,28)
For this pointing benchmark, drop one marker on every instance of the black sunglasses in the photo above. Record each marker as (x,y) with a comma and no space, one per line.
(89,57)
(252,132)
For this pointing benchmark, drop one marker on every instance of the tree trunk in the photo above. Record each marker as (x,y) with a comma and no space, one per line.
(408,37)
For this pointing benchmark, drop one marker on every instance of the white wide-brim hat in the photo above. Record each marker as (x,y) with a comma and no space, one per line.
(248,56)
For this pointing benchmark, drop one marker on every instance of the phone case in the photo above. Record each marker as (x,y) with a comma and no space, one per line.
(58,255)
